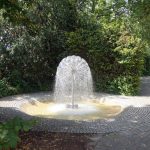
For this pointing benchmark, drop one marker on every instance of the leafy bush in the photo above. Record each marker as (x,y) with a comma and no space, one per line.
(9,131)
(116,62)
(99,32)
(125,85)
(6,89)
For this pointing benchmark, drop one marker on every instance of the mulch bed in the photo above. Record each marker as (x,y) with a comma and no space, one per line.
(53,141)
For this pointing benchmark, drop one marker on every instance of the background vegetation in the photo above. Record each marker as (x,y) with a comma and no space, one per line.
(112,36)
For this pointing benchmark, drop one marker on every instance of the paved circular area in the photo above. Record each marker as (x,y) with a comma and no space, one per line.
(135,116)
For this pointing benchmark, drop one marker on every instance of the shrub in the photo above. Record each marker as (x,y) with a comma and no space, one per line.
(9,131)
(99,32)
(6,89)
(125,85)
(116,61)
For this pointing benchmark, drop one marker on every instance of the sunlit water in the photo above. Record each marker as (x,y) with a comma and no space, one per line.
(85,111)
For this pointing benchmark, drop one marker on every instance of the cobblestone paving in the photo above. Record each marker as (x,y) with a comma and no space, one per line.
(134,116)
(130,130)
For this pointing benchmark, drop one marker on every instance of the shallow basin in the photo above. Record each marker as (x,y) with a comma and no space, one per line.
(88,110)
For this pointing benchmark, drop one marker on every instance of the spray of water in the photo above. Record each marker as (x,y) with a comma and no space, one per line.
(73,81)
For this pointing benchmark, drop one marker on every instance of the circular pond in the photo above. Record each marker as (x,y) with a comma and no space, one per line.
(86,110)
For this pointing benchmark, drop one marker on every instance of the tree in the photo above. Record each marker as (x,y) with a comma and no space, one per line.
(37,35)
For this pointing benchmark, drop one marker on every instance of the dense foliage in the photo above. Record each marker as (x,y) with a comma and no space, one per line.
(9,132)
(36,35)
(6,89)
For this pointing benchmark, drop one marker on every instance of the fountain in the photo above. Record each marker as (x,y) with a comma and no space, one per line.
(73,81)
(73,97)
